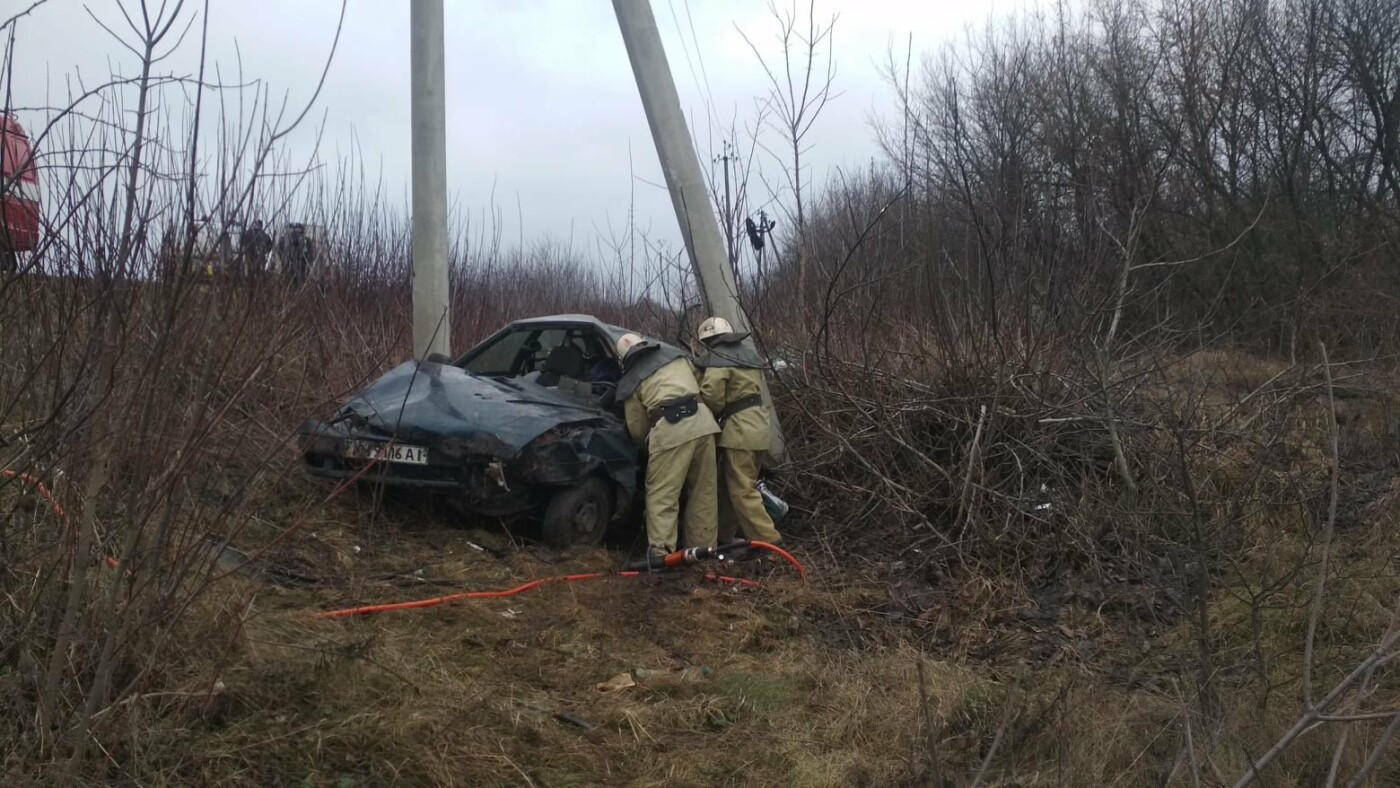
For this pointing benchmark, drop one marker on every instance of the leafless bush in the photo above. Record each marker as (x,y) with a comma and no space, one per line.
(1039,353)
(150,388)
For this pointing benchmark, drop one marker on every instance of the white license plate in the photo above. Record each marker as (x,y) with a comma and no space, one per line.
(385,452)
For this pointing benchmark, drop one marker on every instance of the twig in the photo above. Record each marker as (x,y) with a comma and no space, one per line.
(128,700)
(1311,717)
(1006,717)
(1376,753)
(973,457)
(1333,771)
(570,718)
(516,767)
(1191,753)
(1316,612)
(1163,263)
(1366,717)
(930,740)
(21,14)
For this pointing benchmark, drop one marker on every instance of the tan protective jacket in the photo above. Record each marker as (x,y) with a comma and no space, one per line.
(746,430)
(673,381)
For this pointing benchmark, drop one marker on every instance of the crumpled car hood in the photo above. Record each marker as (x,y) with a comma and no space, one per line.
(431,402)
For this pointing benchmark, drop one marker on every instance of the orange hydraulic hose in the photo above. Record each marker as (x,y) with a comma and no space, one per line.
(801,572)
(520,589)
(742,582)
(39,488)
(49,498)
(43,492)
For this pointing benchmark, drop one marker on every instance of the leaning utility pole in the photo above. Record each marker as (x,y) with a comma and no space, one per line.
(684,180)
(432,320)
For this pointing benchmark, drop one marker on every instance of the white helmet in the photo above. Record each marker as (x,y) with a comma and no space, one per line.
(713,327)
(627,343)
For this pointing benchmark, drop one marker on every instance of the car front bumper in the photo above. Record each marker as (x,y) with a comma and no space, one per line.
(483,482)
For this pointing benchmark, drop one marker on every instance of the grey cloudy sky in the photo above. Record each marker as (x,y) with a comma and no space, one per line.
(542,107)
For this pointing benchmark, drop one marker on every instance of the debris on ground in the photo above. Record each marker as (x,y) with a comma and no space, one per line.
(621,681)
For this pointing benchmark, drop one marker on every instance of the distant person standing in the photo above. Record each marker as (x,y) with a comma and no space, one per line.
(256,245)
(294,247)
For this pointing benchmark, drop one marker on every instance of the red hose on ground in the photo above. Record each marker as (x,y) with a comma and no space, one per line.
(801,571)
(43,491)
(49,498)
(520,589)
(39,488)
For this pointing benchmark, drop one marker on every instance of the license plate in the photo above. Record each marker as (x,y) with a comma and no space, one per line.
(385,452)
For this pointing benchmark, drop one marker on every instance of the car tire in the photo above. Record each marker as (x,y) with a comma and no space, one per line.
(578,515)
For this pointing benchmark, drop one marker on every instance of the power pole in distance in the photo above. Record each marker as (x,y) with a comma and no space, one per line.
(684,179)
(432,319)
(724,159)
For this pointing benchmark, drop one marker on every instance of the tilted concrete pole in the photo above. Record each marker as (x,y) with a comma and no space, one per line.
(681,166)
(432,318)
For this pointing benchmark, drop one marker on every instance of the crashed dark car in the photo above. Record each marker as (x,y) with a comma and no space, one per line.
(523,424)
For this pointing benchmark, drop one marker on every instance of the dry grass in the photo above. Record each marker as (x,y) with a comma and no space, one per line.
(786,685)
(472,693)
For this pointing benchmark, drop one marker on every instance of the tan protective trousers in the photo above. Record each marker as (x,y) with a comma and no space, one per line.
(689,466)
(740,504)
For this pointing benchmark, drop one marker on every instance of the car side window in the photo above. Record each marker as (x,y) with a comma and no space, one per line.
(516,353)
(498,358)
(538,349)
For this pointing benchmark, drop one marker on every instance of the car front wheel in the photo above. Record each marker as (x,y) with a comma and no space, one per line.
(578,515)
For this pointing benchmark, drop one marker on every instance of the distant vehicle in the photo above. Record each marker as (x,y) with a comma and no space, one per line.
(19,193)
(525,423)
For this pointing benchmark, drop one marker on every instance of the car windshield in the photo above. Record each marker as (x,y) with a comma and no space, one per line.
(528,349)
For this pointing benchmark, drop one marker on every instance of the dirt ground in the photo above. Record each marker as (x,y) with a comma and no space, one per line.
(845,679)
(655,680)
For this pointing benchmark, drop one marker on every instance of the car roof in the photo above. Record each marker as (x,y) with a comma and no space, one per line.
(611,330)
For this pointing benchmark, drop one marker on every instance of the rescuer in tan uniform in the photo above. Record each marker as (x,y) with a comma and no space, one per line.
(731,386)
(664,413)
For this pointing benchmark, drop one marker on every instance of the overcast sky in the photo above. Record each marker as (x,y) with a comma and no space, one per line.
(541,103)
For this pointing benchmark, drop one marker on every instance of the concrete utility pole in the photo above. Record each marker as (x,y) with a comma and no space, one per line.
(684,179)
(729,245)
(432,318)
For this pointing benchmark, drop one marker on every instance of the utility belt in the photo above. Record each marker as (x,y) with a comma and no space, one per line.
(743,403)
(676,410)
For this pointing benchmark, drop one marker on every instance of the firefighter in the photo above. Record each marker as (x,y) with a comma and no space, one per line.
(664,413)
(731,386)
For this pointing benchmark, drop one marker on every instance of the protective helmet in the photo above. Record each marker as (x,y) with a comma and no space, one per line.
(627,343)
(714,327)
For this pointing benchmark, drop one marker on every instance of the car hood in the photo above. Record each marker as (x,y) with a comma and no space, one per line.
(439,403)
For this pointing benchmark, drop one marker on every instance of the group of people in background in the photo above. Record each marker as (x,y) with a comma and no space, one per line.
(293,246)
(705,428)
(245,252)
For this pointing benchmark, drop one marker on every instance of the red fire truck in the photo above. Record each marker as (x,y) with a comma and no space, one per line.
(19,193)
